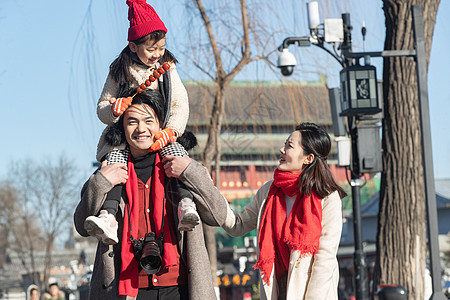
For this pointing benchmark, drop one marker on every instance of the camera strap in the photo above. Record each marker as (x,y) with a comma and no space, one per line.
(127,205)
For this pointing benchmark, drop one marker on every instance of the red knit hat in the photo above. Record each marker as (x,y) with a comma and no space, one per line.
(143,20)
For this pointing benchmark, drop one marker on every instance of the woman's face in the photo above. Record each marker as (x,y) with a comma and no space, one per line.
(292,156)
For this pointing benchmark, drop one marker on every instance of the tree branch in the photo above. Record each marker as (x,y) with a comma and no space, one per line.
(212,39)
(245,59)
(197,65)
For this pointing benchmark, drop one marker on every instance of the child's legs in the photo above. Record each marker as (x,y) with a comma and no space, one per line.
(112,200)
(113,197)
(187,215)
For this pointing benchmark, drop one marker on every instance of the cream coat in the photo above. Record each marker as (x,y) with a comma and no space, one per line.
(309,278)
(179,109)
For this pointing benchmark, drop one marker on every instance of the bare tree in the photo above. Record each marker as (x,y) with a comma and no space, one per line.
(19,232)
(401,241)
(230,50)
(221,76)
(48,191)
(9,200)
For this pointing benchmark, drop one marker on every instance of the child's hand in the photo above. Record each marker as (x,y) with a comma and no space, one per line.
(163,138)
(119,105)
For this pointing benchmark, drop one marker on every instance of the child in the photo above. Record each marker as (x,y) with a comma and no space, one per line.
(137,62)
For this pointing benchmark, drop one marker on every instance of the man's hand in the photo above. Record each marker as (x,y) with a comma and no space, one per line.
(175,165)
(119,105)
(163,138)
(115,173)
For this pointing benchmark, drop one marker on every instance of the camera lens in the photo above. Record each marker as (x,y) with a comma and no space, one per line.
(151,254)
(151,264)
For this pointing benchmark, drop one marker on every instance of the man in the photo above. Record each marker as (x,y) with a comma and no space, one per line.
(54,293)
(152,260)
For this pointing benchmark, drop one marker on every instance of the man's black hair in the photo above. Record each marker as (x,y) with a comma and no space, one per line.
(116,134)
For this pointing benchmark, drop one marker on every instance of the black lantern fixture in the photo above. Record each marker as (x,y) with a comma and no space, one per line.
(359,91)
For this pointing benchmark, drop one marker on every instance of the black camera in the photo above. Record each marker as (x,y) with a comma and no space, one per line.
(148,252)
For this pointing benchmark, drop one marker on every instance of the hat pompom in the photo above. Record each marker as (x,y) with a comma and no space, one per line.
(129,2)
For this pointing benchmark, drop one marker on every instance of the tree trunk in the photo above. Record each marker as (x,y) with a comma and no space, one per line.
(401,240)
(222,79)
(212,151)
(48,260)
(214,129)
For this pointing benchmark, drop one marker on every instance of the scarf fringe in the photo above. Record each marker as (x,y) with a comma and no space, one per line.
(261,265)
(302,247)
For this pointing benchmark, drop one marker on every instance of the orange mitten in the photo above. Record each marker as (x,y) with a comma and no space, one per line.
(121,105)
(163,138)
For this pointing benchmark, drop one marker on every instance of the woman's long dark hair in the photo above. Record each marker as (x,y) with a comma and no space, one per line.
(317,175)
(120,67)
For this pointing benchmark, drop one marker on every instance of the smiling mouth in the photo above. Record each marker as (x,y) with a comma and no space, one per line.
(141,138)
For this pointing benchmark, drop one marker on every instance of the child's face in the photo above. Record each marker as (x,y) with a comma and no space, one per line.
(150,51)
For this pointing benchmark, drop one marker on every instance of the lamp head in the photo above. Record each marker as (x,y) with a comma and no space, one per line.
(286,62)
(312,9)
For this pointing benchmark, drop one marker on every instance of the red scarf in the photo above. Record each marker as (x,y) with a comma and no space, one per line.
(278,234)
(128,283)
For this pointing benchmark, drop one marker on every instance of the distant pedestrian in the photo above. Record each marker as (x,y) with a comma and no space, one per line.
(54,293)
(33,292)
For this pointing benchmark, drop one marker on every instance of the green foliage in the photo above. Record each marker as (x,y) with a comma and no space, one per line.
(223,239)
(367,191)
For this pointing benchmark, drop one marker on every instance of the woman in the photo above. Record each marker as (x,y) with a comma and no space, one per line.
(297,216)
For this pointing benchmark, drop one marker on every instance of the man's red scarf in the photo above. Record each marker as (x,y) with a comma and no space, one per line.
(128,284)
(279,234)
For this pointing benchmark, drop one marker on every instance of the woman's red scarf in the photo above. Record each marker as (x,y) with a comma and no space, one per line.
(278,234)
(128,283)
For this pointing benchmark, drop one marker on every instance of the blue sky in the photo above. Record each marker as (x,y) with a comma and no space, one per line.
(55,59)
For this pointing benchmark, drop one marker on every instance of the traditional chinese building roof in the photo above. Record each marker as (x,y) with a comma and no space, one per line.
(258,116)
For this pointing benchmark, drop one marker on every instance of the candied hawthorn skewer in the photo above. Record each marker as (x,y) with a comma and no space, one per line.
(122,103)
(153,77)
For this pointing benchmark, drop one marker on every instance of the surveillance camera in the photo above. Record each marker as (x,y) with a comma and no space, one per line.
(286,62)
(287,70)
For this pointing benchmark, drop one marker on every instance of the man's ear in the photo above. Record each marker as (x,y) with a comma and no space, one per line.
(132,46)
(308,159)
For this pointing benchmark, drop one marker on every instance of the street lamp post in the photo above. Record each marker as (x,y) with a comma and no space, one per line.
(359,257)
(287,65)
(360,266)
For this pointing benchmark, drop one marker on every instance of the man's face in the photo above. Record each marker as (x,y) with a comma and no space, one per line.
(140,125)
(54,290)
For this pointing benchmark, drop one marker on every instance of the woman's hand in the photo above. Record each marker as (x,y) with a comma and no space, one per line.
(115,173)
(175,165)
